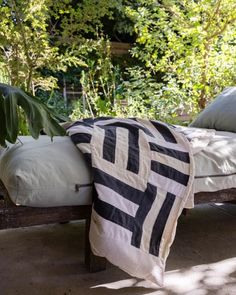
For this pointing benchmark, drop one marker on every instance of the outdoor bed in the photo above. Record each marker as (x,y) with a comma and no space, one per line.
(44,181)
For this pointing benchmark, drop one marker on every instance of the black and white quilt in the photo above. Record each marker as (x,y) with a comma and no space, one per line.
(143,174)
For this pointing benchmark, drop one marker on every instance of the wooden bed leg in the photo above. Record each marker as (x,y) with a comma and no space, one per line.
(93,263)
(185,212)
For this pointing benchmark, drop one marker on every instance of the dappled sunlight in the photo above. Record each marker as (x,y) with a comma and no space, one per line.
(198,280)
(223,146)
(119,284)
(207,276)
(208,181)
(128,283)
(219,204)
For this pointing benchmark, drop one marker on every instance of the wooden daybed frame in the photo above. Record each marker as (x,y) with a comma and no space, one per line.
(12,216)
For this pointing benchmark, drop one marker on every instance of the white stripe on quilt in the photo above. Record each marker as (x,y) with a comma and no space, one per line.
(97,142)
(170,161)
(122,147)
(111,197)
(111,229)
(150,220)
(167,184)
(170,228)
(144,156)
(82,129)
(112,121)
(84,147)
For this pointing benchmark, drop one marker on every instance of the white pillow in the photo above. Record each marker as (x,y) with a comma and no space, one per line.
(45,173)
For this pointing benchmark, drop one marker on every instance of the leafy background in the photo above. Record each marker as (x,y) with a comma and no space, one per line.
(183,53)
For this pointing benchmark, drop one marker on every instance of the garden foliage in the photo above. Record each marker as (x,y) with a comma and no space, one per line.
(183,53)
(15,102)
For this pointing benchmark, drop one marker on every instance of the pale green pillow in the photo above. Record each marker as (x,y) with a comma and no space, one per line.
(219,114)
(45,173)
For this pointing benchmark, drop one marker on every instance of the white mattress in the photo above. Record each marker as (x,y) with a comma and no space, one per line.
(215,165)
(42,173)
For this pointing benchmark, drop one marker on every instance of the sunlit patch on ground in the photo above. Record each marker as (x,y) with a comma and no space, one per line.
(197,280)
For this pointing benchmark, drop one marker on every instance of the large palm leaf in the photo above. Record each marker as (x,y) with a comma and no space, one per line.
(38,115)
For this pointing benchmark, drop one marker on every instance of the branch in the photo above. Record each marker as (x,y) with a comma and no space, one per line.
(29,61)
(220,31)
(217,10)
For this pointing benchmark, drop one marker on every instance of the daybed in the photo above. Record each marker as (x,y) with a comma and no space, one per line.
(53,205)
(40,183)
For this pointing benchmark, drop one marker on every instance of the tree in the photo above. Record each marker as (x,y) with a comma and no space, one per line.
(72,22)
(190,45)
(27,45)
(24,42)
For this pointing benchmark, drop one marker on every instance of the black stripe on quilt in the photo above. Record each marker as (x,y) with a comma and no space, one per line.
(159,225)
(169,172)
(133,152)
(88,158)
(113,214)
(148,199)
(182,156)
(164,131)
(81,138)
(109,145)
(128,192)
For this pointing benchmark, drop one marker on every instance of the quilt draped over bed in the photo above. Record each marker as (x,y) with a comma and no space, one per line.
(143,174)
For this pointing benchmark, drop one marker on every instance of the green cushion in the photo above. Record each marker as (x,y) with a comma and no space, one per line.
(219,114)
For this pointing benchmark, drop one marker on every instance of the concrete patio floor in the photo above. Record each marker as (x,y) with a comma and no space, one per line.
(48,260)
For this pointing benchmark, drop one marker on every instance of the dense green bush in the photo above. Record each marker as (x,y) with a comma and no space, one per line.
(190,43)
(183,53)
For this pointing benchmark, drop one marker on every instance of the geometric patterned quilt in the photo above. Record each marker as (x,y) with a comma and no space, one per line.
(143,173)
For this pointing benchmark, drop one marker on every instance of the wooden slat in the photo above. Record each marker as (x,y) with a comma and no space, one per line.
(12,216)
(226,195)
(20,216)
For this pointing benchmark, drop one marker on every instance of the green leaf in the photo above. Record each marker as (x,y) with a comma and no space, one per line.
(11,117)
(38,115)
